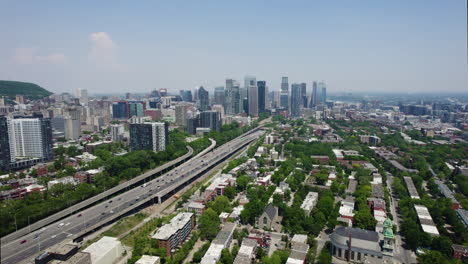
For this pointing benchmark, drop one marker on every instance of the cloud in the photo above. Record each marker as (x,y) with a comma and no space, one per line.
(29,56)
(104,52)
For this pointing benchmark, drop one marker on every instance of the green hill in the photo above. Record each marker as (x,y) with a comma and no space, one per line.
(30,90)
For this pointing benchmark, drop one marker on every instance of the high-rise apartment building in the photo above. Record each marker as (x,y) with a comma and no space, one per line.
(296,99)
(72,128)
(203,99)
(149,136)
(181,114)
(24,138)
(284,96)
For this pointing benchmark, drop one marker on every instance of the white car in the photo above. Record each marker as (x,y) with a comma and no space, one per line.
(61,224)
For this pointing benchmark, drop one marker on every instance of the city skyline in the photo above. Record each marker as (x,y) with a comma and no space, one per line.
(356,47)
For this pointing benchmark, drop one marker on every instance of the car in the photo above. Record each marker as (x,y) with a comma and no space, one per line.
(110,201)
(54,236)
(61,224)
(106,206)
(103,213)
(79,215)
(120,198)
(111,212)
(23,241)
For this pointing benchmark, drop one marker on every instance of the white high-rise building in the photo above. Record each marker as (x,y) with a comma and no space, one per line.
(25,138)
(117,131)
(72,128)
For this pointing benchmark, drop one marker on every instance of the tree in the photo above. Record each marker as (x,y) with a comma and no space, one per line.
(220,204)
(325,256)
(433,257)
(230,192)
(226,256)
(442,244)
(209,224)
(242,182)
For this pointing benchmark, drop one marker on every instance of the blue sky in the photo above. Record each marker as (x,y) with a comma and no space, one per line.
(136,46)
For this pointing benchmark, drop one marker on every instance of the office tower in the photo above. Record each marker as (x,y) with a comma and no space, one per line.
(20,99)
(304,94)
(262,96)
(187,96)
(83,95)
(296,100)
(219,95)
(117,131)
(73,123)
(195,94)
(128,96)
(284,100)
(253,100)
(163,92)
(5,157)
(211,119)
(72,128)
(120,110)
(219,109)
(284,85)
(155,94)
(203,99)
(314,99)
(149,136)
(136,109)
(181,114)
(232,97)
(58,123)
(28,138)
(323,89)
(192,124)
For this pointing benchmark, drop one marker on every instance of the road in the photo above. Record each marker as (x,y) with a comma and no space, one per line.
(81,205)
(401,254)
(84,221)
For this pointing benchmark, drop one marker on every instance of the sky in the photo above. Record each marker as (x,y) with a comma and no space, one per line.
(136,46)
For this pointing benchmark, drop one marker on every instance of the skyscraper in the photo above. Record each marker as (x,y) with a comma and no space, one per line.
(284,85)
(262,96)
(232,97)
(5,157)
(253,100)
(296,99)
(187,96)
(211,119)
(323,89)
(304,94)
(284,96)
(203,99)
(149,136)
(219,95)
(314,99)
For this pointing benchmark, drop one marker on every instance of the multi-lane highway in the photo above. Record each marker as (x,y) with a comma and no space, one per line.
(156,190)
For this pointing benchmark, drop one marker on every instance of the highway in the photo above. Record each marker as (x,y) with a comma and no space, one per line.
(101,196)
(157,190)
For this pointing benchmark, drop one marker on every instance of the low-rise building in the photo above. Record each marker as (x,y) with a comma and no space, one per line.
(223,240)
(309,202)
(347,208)
(425,220)
(411,188)
(247,251)
(172,235)
(146,259)
(106,250)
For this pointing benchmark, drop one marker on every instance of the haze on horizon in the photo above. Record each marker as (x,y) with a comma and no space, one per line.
(122,46)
